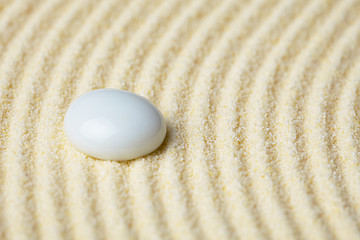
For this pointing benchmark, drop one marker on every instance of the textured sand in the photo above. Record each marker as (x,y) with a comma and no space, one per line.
(262,100)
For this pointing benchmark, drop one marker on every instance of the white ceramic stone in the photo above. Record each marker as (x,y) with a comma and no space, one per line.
(114,124)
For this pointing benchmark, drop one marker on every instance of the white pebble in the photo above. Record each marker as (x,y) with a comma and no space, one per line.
(114,124)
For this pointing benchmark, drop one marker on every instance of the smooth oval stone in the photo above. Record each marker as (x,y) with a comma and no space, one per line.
(114,124)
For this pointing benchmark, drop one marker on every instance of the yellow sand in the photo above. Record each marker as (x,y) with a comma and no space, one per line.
(262,101)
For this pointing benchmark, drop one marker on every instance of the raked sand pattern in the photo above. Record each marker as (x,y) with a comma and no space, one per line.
(262,101)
